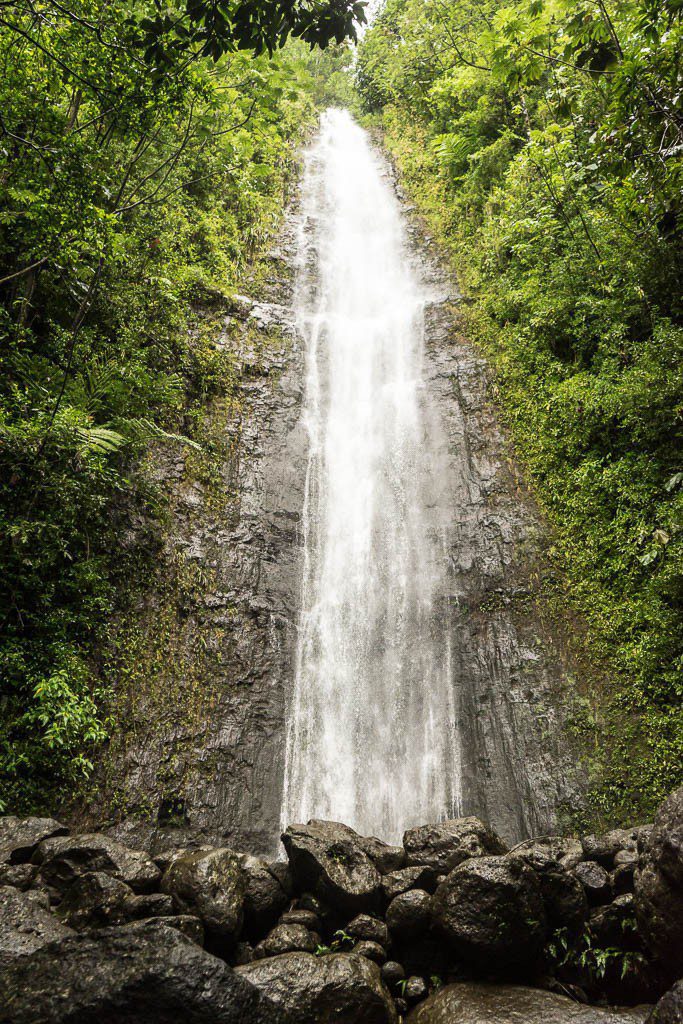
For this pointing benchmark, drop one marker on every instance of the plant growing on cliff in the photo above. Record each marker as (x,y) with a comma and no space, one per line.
(136,184)
(544,141)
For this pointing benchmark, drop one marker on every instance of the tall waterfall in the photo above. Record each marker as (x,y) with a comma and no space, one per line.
(372,738)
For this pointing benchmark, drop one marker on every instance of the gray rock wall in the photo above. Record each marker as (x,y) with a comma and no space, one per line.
(199,754)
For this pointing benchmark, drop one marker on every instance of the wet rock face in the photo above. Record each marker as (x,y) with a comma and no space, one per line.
(340,987)
(224,761)
(509,672)
(216,725)
(500,1004)
(328,858)
(139,974)
(491,911)
(659,885)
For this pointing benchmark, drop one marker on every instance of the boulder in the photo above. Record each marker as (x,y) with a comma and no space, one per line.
(26,924)
(563,895)
(369,928)
(328,859)
(595,882)
(418,877)
(415,989)
(63,859)
(385,858)
(410,914)
(19,837)
(21,876)
(264,897)
(512,1004)
(491,911)
(94,899)
(314,990)
(669,1009)
(444,846)
(573,856)
(372,950)
(153,904)
(659,887)
(139,974)
(392,972)
(189,926)
(538,852)
(210,885)
(286,938)
(604,848)
(281,870)
(305,917)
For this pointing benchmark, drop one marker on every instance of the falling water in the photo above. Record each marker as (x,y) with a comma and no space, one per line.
(372,723)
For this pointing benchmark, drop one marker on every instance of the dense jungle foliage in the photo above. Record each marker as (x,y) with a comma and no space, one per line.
(144,158)
(543,141)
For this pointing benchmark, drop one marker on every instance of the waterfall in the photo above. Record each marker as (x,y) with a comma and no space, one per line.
(371,734)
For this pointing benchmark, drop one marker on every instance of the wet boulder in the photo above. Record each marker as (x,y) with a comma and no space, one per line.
(392,973)
(63,859)
(415,989)
(563,895)
(211,885)
(595,881)
(328,859)
(417,877)
(444,846)
(305,917)
(286,938)
(139,974)
(19,837)
(311,990)
(94,899)
(510,1004)
(188,925)
(385,858)
(371,950)
(605,847)
(371,929)
(153,904)
(659,886)
(26,924)
(669,1009)
(264,897)
(21,876)
(409,915)
(491,911)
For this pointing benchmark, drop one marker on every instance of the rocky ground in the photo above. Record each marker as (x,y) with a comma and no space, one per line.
(452,926)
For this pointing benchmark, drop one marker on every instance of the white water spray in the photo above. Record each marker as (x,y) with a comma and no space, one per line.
(371,737)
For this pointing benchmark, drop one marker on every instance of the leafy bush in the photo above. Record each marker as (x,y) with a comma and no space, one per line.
(543,143)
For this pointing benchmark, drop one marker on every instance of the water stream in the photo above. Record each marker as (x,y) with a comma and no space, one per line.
(371,737)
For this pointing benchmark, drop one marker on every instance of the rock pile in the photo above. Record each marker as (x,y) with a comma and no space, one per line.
(449,926)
